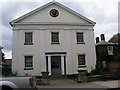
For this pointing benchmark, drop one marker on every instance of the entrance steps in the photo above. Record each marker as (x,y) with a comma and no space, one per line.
(55,77)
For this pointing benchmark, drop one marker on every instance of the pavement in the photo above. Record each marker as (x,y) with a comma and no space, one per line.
(109,84)
(69,83)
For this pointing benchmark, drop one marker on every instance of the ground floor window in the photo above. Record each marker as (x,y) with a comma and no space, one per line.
(28,62)
(81,60)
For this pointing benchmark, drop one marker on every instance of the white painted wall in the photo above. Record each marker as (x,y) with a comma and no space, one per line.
(15,51)
(55,47)
(42,37)
(42,44)
(69,60)
(23,50)
(42,41)
(88,49)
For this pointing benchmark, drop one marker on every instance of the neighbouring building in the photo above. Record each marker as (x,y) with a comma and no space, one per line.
(9,62)
(106,53)
(115,38)
(7,67)
(5,64)
(53,38)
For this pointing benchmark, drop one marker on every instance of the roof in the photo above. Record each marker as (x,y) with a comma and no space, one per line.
(105,43)
(49,4)
(115,38)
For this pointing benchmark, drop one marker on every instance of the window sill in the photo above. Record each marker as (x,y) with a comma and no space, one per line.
(84,66)
(28,68)
(28,43)
(55,43)
(80,42)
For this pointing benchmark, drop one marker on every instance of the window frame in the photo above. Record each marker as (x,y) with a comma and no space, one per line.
(53,41)
(30,64)
(81,65)
(26,37)
(110,50)
(78,40)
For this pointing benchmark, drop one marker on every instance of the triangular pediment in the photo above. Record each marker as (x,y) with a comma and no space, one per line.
(44,14)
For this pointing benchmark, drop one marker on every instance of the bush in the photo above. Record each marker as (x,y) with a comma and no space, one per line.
(95,72)
(88,74)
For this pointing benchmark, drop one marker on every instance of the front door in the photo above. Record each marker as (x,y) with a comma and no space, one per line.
(56,65)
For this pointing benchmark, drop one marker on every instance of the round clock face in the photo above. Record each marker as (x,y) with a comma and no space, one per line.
(54,13)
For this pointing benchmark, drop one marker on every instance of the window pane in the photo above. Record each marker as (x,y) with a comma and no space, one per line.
(81,59)
(55,36)
(110,50)
(80,37)
(28,61)
(28,37)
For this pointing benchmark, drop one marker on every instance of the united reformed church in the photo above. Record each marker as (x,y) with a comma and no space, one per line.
(53,38)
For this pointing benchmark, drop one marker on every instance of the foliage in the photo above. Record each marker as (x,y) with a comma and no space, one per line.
(95,72)
(3,57)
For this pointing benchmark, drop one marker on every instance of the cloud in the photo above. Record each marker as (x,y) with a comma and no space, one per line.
(105,14)
(7,38)
(10,9)
(110,28)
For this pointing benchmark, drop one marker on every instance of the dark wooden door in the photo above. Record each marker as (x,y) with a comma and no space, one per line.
(56,65)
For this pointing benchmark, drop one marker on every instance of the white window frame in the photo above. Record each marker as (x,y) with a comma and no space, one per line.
(55,42)
(28,67)
(84,60)
(80,42)
(31,42)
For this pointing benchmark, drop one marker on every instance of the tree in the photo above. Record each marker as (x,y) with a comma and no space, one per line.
(3,57)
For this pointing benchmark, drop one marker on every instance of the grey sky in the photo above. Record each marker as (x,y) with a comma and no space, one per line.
(103,12)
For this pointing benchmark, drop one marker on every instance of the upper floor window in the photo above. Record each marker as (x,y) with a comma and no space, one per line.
(28,62)
(28,38)
(110,50)
(80,37)
(55,37)
(81,60)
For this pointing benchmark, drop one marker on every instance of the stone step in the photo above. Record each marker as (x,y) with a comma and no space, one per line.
(53,77)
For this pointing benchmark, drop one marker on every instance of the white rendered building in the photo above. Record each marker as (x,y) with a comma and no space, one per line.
(53,38)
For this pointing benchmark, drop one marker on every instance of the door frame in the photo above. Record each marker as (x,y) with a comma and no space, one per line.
(63,61)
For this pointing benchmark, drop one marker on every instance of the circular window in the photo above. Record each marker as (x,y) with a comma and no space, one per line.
(54,13)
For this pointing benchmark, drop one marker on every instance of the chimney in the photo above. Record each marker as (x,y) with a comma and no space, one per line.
(97,39)
(102,37)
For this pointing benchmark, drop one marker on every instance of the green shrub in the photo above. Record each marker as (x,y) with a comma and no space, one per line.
(95,72)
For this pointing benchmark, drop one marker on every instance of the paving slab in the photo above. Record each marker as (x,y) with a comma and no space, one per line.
(110,84)
(69,83)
